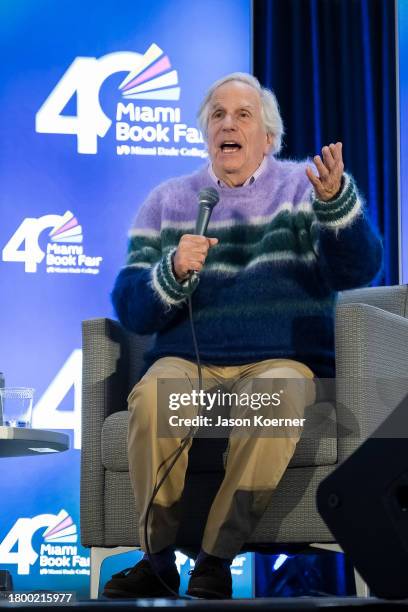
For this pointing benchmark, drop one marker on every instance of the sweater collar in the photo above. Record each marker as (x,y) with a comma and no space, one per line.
(251,179)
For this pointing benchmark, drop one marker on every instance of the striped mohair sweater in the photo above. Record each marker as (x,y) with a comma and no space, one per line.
(268,289)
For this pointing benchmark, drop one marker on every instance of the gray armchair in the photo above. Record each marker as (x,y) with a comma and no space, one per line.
(371,343)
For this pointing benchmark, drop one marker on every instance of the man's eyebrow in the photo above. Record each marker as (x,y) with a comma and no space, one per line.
(248,106)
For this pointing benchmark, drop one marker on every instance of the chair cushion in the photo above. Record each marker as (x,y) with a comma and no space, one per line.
(313,449)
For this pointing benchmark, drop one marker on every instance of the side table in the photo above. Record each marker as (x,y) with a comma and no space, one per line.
(22,441)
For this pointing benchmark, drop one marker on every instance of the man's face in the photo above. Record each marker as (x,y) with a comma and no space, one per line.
(237,140)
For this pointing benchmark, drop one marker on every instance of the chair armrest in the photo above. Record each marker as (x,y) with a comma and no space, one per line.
(112,360)
(393,299)
(105,370)
(371,370)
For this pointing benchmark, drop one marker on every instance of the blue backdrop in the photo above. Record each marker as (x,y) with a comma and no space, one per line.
(98,106)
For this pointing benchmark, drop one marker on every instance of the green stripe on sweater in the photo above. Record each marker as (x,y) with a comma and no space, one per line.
(245,233)
(147,255)
(254,309)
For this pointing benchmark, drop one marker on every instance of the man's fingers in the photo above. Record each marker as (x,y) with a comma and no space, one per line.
(189,261)
(199,246)
(191,253)
(328,158)
(199,249)
(193,238)
(196,266)
(191,264)
(330,170)
(337,151)
(321,168)
(313,178)
(338,170)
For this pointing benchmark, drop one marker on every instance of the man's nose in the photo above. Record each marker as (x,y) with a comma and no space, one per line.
(228,122)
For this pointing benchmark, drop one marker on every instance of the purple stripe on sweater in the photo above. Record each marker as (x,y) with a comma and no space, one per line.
(176,201)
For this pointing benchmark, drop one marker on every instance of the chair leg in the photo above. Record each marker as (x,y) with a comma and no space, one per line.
(362,589)
(98,556)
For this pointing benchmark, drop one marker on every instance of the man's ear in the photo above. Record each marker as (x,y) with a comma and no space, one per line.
(270,139)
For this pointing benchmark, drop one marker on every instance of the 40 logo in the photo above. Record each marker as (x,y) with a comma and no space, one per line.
(149,77)
(24,246)
(17,547)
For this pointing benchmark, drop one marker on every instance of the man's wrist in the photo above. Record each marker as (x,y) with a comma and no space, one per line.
(176,276)
(341,210)
(337,194)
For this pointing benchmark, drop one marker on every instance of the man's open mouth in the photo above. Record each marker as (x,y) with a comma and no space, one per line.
(229,146)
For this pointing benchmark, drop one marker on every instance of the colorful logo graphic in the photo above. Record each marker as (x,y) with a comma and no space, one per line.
(64,529)
(57,554)
(68,229)
(63,253)
(152,78)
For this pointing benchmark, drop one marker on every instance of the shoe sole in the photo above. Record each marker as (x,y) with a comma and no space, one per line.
(118,594)
(205,594)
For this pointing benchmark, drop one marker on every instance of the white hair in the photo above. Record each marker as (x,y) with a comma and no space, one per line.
(269,107)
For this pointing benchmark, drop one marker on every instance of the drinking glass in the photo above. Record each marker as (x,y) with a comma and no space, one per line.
(16,406)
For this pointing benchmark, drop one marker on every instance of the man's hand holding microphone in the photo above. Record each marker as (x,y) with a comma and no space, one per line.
(192,250)
(191,254)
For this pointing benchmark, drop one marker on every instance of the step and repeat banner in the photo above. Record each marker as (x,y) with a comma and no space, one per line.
(98,105)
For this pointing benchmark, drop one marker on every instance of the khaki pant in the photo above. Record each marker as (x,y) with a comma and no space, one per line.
(255,462)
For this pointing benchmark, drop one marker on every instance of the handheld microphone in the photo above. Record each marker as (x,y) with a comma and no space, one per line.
(207,199)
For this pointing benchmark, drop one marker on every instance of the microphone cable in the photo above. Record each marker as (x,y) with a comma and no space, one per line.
(176,453)
(208,198)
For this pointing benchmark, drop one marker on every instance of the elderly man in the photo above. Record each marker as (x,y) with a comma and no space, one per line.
(283,241)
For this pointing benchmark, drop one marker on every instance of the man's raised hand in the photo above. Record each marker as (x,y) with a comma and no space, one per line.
(330,170)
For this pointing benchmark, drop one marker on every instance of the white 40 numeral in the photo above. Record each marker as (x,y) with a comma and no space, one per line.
(84,78)
(23,246)
(46,413)
(21,535)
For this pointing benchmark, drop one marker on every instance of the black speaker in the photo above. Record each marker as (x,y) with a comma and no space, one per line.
(364,502)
